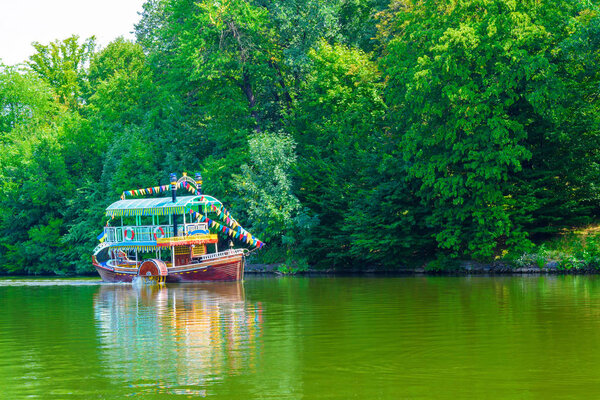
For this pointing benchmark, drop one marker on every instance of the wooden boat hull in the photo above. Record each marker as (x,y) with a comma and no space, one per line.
(227,268)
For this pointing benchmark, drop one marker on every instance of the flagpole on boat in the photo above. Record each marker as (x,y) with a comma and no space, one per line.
(174,198)
(198,184)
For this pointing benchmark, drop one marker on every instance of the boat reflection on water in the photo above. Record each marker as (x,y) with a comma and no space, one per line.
(177,336)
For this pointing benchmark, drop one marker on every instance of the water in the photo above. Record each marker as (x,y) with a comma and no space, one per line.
(294,338)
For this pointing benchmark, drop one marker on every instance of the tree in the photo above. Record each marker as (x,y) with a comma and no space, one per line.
(337,124)
(35,186)
(267,191)
(557,188)
(62,64)
(24,98)
(467,85)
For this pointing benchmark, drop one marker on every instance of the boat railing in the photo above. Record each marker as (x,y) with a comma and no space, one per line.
(230,252)
(99,247)
(149,233)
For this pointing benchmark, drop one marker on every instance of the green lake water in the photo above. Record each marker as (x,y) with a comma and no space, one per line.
(532,337)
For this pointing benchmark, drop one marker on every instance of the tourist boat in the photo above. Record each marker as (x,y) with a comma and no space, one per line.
(172,239)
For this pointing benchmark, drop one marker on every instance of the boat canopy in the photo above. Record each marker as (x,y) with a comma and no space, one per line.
(159,206)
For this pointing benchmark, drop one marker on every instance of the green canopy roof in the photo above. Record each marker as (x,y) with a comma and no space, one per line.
(158,206)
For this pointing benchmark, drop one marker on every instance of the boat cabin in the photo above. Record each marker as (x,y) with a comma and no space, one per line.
(160,228)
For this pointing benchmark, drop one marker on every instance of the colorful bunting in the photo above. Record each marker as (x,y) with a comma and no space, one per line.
(145,191)
(237,232)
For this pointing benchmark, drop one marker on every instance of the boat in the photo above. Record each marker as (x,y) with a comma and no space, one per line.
(172,239)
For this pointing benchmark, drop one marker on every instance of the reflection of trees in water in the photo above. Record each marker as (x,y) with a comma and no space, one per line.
(180,335)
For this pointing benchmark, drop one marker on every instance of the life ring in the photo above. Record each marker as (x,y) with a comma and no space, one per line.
(158,230)
(126,232)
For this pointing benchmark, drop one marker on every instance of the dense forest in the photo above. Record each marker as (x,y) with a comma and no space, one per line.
(343,133)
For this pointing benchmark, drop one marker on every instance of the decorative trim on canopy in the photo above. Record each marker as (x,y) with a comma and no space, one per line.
(188,240)
(142,247)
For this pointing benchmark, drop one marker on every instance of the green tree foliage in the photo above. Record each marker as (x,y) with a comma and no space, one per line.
(63,65)
(267,189)
(471,86)
(119,85)
(23,98)
(344,133)
(117,100)
(34,181)
(558,185)
(206,60)
(337,123)
(31,172)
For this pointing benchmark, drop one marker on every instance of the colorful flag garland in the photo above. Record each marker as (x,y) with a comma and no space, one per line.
(156,189)
(240,233)
(145,191)
(226,216)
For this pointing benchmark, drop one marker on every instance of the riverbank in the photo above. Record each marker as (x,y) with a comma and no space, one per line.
(466,268)
(574,251)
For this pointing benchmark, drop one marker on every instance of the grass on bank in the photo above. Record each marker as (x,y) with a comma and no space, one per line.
(574,249)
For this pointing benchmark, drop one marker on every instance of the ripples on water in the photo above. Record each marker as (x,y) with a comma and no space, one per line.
(333,338)
(49,282)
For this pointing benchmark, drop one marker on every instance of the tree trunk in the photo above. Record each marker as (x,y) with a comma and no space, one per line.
(247,89)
